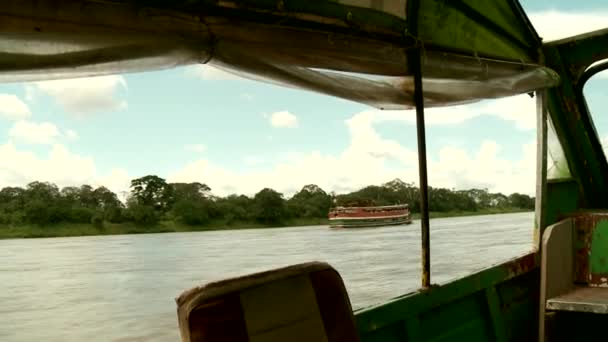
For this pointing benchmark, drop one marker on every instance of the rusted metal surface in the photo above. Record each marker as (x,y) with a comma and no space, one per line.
(521,265)
(598,273)
(583,229)
(590,256)
(598,280)
(581,299)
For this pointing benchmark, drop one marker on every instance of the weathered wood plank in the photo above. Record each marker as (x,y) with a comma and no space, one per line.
(556,272)
(581,299)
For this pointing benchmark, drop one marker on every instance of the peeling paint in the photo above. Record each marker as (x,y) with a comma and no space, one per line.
(591,258)
(521,265)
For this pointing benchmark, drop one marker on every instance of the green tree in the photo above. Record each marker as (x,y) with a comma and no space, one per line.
(498,200)
(311,201)
(481,197)
(269,206)
(41,203)
(522,201)
(12,204)
(191,212)
(233,208)
(110,208)
(87,197)
(141,213)
(70,195)
(190,204)
(71,208)
(152,191)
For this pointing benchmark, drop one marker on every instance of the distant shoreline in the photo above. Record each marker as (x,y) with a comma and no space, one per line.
(74,229)
(439,214)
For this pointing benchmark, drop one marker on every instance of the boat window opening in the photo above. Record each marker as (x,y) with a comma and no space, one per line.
(595,93)
(557,164)
(508,154)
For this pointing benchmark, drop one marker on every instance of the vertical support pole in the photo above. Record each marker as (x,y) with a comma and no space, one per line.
(541,165)
(415,66)
(424,210)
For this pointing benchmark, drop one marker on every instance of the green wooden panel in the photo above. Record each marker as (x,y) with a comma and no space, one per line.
(474,330)
(562,199)
(412,328)
(498,304)
(598,258)
(395,332)
(519,298)
(496,316)
(466,314)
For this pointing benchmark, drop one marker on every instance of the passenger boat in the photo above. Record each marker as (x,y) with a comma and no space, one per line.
(420,54)
(358,217)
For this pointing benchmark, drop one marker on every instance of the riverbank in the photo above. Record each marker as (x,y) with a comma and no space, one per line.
(72,229)
(445,214)
(77,229)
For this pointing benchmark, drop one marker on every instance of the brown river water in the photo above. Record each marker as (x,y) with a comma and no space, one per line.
(122,288)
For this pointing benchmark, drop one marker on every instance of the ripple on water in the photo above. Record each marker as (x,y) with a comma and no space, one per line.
(122,288)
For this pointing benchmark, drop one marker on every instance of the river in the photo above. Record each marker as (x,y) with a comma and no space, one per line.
(122,288)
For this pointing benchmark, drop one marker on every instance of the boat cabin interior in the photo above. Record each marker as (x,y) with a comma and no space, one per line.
(402,54)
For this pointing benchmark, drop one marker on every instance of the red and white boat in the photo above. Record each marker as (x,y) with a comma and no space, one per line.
(356,217)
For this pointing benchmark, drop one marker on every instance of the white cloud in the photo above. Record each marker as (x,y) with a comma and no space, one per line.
(12,108)
(199,148)
(456,168)
(519,109)
(34,133)
(554,24)
(71,135)
(81,96)
(283,119)
(372,159)
(42,133)
(369,158)
(118,181)
(59,166)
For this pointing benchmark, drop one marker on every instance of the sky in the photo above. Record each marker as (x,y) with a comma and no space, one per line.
(200,124)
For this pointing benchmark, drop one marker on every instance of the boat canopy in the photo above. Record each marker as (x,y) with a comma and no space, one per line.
(353,49)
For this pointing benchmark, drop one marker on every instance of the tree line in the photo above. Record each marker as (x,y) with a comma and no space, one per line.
(152,199)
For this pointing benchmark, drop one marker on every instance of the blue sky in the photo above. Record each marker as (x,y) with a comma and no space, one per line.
(200,124)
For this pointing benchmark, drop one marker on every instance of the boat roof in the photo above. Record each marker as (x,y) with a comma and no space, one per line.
(353,49)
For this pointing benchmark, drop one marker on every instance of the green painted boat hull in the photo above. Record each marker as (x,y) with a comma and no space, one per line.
(496,304)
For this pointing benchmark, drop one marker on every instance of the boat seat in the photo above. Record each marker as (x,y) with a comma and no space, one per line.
(304,302)
(574,273)
(581,299)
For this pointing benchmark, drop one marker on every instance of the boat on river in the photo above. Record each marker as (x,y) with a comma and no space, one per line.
(370,216)
(401,54)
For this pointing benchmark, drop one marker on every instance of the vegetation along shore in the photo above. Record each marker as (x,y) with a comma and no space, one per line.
(41,209)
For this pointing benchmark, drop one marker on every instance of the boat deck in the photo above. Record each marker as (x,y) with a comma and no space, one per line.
(581,299)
